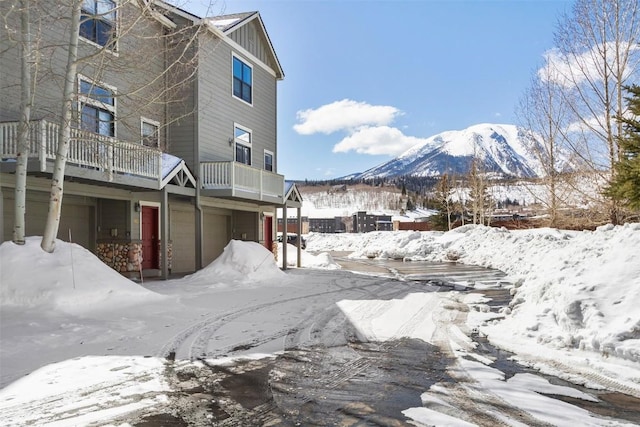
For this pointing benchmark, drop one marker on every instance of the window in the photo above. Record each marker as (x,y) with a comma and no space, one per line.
(242,80)
(268,161)
(97,108)
(98,21)
(242,139)
(150,133)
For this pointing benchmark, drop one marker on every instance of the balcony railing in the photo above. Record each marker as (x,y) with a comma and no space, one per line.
(86,149)
(239,180)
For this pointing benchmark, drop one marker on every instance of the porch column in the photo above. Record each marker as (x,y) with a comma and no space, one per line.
(1,215)
(199,237)
(299,263)
(164,226)
(284,236)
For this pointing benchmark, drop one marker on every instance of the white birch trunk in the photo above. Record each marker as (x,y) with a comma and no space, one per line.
(23,126)
(57,181)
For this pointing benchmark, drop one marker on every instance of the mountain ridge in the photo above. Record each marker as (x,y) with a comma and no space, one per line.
(502,149)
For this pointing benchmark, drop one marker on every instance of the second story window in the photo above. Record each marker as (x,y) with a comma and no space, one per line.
(150,133)
(242,138)
(97,108)
(268,161)
(98,22)
(242,80)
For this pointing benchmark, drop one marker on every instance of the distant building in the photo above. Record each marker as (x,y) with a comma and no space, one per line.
(327,225)
(364,222)
(292,225)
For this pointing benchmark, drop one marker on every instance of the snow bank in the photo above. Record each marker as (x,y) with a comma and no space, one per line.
(322,260)
(71,279)
(240,263)
(574,290)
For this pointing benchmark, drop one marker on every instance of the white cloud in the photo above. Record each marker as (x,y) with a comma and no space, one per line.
(346,115)
(377,140)
(575,69)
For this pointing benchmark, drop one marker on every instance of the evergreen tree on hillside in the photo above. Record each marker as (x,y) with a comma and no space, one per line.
(625,185)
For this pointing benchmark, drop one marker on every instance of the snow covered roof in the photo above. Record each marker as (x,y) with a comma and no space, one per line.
(175,168)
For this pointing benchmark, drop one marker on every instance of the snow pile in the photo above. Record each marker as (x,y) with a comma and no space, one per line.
(70,279)
(322,260)
(573,290)
(375,244)
(240,263)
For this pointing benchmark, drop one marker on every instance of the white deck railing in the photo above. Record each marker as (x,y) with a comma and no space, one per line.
(238,176)
(86,149)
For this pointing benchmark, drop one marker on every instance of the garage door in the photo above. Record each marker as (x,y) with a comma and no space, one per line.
(78,220)
(77,215)
(216,230)
(182,234)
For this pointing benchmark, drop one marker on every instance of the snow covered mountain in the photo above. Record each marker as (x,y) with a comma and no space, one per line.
(504,150)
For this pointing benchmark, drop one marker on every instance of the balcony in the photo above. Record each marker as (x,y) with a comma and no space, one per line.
(89,156)
(237,180)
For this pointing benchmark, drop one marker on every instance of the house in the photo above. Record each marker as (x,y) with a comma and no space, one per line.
(173,147)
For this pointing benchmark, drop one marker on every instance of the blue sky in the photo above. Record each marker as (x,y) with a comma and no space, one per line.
(365,80)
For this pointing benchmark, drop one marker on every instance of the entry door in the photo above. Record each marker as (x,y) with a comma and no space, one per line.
(150,249)
(268,232)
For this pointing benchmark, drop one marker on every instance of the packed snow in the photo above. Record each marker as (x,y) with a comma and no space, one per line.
(573,314)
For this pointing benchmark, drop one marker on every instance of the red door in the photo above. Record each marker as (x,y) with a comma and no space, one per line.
(268,232)
(150,251)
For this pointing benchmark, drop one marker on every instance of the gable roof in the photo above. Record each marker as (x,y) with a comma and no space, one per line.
(227,24)
(292,196)
(174,168)
(223,25)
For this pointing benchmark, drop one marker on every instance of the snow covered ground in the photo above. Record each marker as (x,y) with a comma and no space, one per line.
(574,315)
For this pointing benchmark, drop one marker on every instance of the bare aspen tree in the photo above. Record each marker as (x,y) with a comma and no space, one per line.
(479,198)
(48,243)
(597,57)
(27,68)
(461,193)
(543,112)
(443,194)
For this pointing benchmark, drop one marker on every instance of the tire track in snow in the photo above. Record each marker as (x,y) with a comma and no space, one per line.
(484,407)
(194,339)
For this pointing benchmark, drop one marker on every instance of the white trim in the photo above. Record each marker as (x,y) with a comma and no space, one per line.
(273,160)
(155,123)
(242,143)
(248,64)
(244,128)
(117,26)
(82,99)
